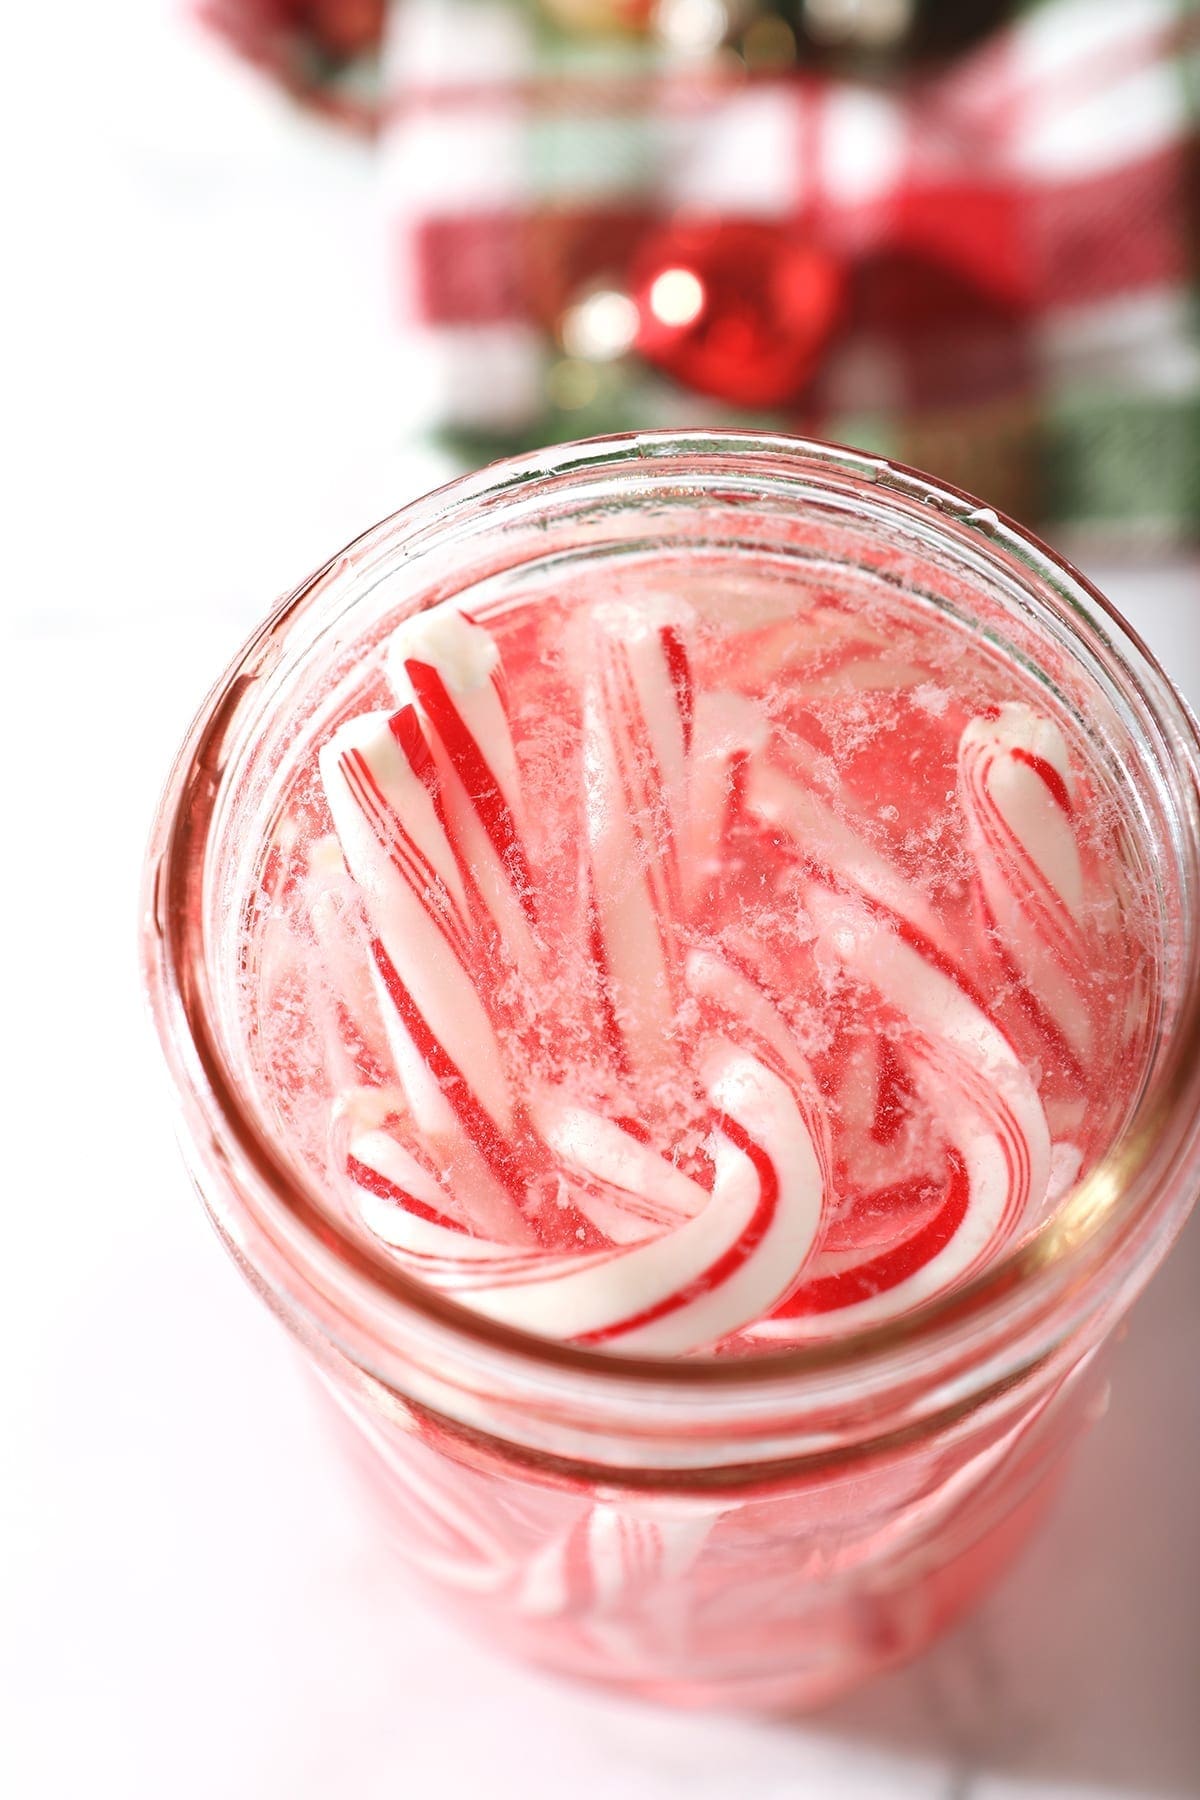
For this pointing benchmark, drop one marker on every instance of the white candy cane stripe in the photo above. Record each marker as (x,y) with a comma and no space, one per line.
(1016,792)
(687,1288)
(449,668)
(975,1091)
(613,1179)
(620,1182)
(382,793)
(744,1006)
(637,721)
(409,1211)
(729,730)
(694,1286)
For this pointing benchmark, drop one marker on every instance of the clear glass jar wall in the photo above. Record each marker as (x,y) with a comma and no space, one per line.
(765,1530)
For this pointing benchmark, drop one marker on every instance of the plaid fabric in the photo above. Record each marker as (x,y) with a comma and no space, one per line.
(1014,235)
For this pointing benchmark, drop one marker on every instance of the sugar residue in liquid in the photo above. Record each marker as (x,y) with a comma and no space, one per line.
(695,966)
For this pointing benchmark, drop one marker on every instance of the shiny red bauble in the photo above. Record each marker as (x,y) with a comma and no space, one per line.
(742,310)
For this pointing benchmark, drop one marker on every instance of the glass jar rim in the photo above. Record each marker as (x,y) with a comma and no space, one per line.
(1058,1261)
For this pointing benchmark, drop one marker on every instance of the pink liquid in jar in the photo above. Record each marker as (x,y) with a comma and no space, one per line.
(700,964)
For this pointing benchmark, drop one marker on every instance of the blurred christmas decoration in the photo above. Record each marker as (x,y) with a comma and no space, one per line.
(960,232)
(735,308)
(324,51)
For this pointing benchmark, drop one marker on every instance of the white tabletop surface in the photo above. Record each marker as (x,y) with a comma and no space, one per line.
(189,1602)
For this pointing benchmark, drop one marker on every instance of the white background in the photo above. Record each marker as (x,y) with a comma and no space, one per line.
(189,1604)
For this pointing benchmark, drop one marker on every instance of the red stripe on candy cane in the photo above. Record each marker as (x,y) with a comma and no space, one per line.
(1049,774)
(426,883)
(685,1288)
(680,671)
(449,667)
(609,1023)
(893,1095)
(477,778)
(977,1094)
(863,1280)
(728,731)
(1013,778)
(372,1182)
(726,1265)
(495,1148)
(376,778)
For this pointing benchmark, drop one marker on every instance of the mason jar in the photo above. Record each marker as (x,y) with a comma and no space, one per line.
(756,1530)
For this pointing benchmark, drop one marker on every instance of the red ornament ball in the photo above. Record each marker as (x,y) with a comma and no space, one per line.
(742,310)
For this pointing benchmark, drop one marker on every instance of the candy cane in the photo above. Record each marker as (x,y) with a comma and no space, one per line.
(620,1181)
(1016,790)
(974,1086)
(829,842)
(743,1003)
(449,668)
(638,720)
(610,1177)
(428,810)
(741,1248)
(382,791)
(356,1042)
(386,799)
